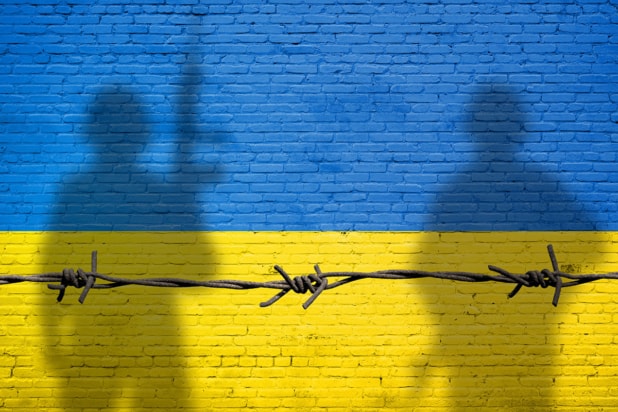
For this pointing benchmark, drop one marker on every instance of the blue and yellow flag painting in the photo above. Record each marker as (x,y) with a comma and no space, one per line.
(214,139)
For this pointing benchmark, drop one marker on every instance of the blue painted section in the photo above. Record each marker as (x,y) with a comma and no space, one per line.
(308,115)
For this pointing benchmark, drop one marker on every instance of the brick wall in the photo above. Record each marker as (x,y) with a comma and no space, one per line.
(308,115)
(374,345)
(214,139)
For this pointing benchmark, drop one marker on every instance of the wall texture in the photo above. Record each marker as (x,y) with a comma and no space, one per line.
(301,115)
(426,345)
(213,139)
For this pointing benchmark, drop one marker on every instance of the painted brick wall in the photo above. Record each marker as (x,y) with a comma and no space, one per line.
(214,139)
(324,115)
(424,345)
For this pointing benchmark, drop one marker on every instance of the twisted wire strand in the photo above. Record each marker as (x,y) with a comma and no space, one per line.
(315,283)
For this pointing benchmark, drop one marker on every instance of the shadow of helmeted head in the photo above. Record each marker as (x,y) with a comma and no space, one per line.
(502,179)
(494,120)
(116,116)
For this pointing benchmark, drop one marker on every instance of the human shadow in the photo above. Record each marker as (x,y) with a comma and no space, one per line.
(505,180)
(503,183)
(143,167)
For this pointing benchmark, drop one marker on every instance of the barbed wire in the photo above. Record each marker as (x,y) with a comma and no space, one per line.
(316,283)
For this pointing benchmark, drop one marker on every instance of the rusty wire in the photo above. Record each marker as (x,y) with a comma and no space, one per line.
(315,283)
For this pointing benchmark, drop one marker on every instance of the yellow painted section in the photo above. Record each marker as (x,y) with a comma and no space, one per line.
(373,345)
